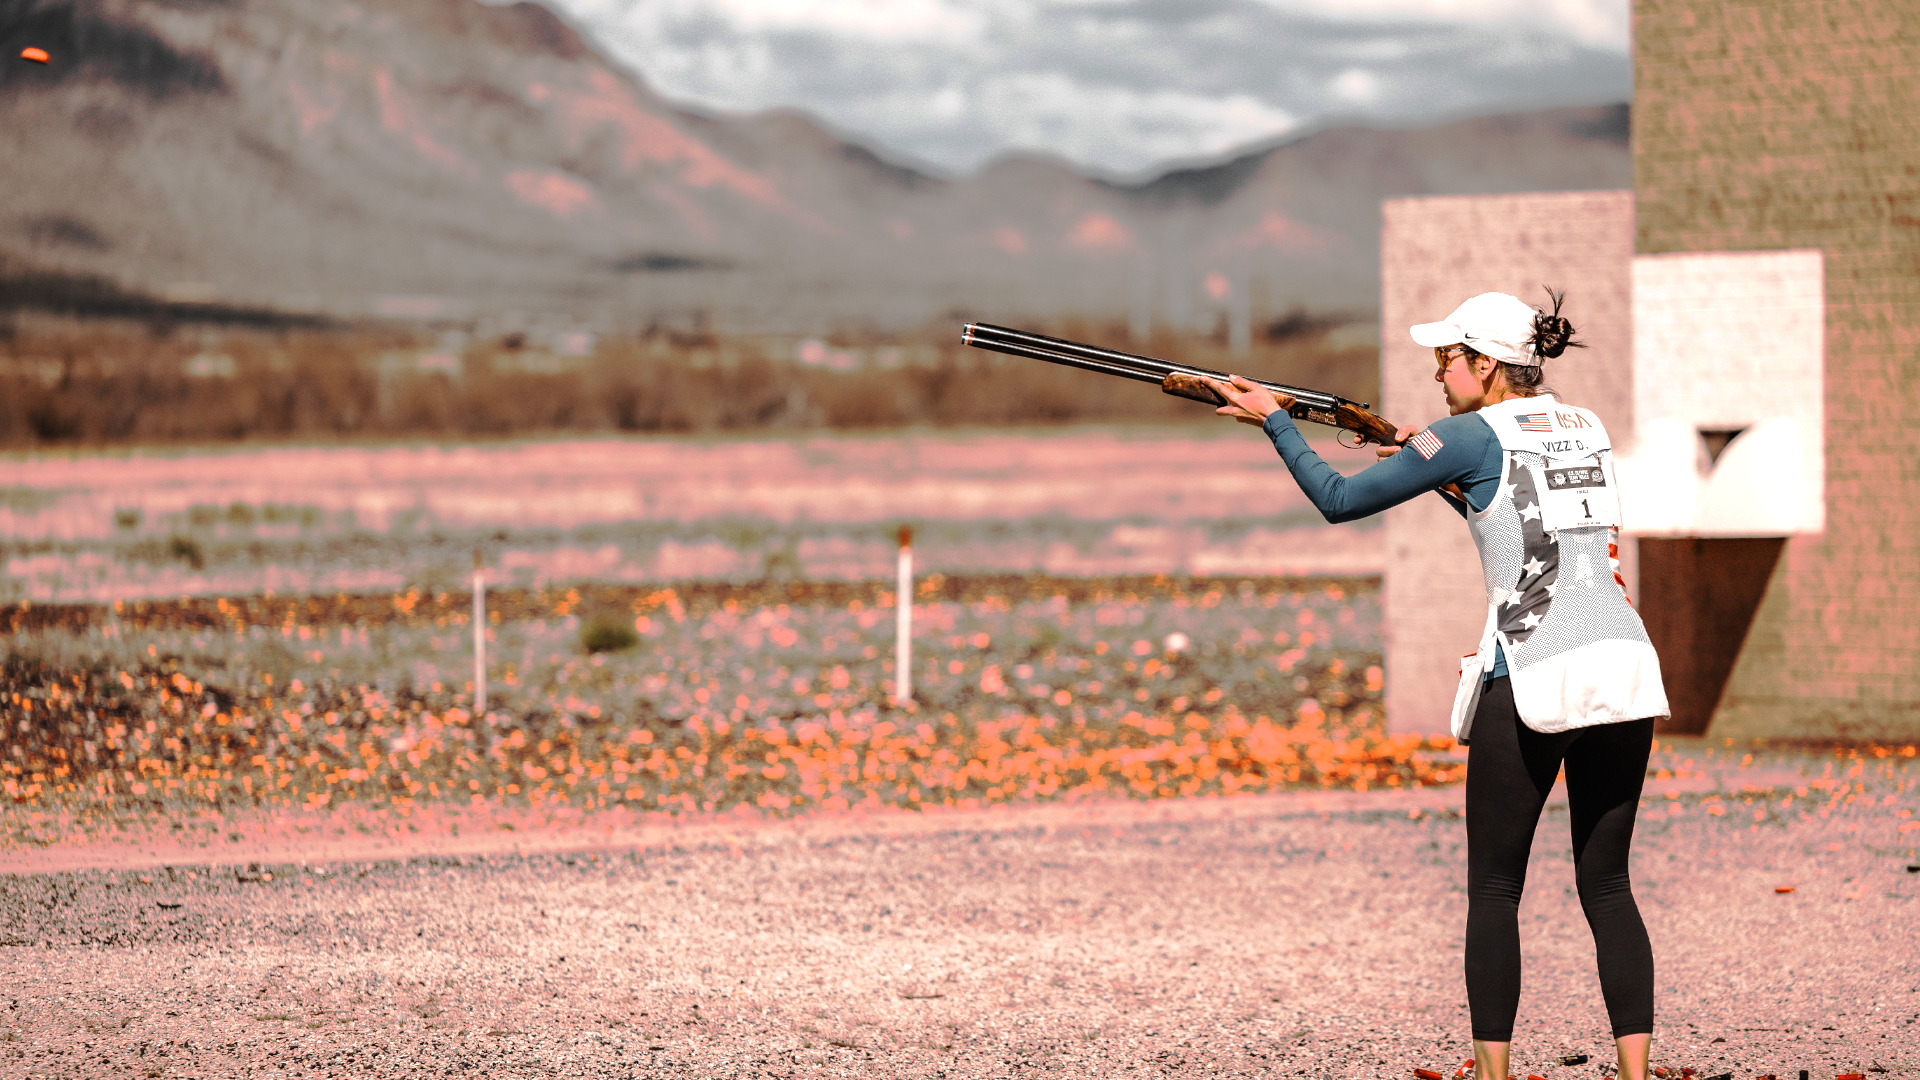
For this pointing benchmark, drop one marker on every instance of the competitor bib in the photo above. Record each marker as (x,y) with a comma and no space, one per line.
(1576,493)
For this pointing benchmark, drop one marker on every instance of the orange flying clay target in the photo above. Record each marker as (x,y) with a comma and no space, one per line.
(35,54)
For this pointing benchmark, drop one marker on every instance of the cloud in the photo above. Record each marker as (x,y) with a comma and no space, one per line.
(878,20)
(1119,126)
(1116,85)
(1599,24)
(1356,84)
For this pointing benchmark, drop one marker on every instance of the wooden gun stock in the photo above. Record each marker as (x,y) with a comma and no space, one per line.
(1191,387)
(1345,414)
(1369,427)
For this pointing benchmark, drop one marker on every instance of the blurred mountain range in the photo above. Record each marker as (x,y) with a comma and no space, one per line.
(445,160)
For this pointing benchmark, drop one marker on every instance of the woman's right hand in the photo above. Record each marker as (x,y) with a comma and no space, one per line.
(1399,439)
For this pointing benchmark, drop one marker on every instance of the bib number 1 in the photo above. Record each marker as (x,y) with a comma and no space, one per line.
(1577,494)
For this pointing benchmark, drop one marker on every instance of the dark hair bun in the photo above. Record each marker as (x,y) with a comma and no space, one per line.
(1552,333)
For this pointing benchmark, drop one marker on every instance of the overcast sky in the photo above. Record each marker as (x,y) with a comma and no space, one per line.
(1120,86)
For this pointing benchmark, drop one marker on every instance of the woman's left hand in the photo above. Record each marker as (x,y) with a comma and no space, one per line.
(1247,401)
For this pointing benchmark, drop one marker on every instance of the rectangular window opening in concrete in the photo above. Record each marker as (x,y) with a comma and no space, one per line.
(1698,596)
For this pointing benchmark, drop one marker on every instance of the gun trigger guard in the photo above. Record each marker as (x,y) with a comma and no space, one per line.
(1360,441)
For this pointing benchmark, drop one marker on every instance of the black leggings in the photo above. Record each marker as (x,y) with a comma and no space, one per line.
(1510,769)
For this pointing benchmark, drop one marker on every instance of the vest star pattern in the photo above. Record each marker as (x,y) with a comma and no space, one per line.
(1532,592)
(1593,603)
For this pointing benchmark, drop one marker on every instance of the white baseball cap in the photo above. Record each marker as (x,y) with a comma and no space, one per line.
(1494,324)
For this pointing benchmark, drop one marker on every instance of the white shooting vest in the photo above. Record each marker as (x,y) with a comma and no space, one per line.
(1577,654)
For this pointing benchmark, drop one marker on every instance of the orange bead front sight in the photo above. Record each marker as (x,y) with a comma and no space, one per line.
(35,54)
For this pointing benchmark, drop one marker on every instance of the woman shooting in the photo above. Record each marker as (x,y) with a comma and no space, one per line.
(1565,674)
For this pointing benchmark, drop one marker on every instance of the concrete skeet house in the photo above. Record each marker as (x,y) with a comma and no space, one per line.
(1753,308)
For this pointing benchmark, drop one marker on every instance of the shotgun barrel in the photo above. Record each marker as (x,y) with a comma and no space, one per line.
(1183,380)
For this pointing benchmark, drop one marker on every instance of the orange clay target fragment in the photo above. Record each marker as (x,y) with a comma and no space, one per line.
(37,55)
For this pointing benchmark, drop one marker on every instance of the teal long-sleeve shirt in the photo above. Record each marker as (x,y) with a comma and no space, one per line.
(1459,450)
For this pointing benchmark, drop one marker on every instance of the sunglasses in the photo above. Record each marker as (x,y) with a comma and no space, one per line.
(1447,354)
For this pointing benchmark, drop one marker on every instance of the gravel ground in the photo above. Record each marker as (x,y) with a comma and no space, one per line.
(1311,935)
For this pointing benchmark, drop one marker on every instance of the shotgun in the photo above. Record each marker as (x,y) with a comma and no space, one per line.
(1180,380)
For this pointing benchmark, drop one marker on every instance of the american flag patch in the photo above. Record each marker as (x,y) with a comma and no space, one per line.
(1427,443)
(1536,421)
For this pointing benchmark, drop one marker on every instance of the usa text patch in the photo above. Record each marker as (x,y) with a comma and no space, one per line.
(1427,443)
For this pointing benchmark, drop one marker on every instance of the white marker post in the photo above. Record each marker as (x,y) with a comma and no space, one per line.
(903,624)
(479,638)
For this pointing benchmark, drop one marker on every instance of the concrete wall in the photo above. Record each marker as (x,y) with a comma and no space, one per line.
(1436,252)
(1793,124)
(1725,342)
